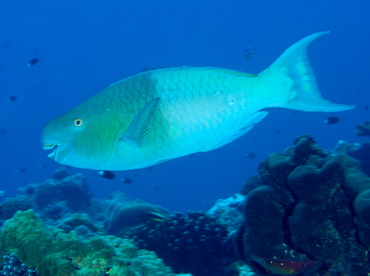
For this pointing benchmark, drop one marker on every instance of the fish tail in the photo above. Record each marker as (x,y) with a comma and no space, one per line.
(303,91)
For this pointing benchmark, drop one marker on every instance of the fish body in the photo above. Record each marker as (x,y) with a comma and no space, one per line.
(331,120)
(285,267)
(162,114)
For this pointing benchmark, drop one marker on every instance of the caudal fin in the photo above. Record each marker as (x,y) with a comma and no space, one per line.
(304,94)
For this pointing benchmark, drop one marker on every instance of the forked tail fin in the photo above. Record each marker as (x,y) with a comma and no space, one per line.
(304,94)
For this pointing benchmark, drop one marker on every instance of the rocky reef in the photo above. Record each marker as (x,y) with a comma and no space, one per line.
(310,214)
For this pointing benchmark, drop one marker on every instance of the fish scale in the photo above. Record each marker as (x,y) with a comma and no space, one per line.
(162,114)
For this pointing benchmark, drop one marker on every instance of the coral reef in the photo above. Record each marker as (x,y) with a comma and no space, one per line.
(76,241)
(65,201)
(196,244)
(72,190)
(12,266)
(363,129)
(310,215)
(52,252)
(361,152)
(228,212)
(11,205)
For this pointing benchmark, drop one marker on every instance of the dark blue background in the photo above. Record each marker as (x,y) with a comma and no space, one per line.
(83,46)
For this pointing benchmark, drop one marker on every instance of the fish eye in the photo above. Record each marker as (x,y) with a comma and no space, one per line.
(78,122)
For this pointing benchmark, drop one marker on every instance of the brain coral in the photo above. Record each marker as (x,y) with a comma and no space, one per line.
(311,205)
(52,252)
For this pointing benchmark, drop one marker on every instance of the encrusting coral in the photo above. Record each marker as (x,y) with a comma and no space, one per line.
(52,252)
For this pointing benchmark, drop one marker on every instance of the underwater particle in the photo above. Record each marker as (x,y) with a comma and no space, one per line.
(107,174)
(331,120)
(126,180)
(366,107)
(250,155)
(11,98)
(32,62)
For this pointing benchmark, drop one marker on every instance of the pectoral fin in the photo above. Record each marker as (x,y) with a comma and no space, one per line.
(137,132)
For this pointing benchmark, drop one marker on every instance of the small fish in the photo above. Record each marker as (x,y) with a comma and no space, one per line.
(152,216)
(126,180)
(166,113)
(107,174)
(331,120)
(20,170)
(248,56)
(11,98)
(32,62)
(284,267)
(250,155)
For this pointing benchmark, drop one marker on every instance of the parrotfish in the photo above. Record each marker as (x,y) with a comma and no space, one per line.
(284,267)
(162,114)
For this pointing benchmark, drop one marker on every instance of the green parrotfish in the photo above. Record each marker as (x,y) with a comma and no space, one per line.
(166,113)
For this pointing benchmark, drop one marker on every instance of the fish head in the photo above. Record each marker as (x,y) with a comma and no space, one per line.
(80,138)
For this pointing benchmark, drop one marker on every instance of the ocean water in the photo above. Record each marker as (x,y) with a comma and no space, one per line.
(84,46)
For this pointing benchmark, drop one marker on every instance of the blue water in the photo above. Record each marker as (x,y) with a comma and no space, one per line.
(83,46)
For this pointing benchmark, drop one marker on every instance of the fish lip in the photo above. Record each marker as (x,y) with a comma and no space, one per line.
(53,147)
(46,146)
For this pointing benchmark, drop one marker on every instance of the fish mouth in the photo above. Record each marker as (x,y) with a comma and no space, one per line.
(52,147)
